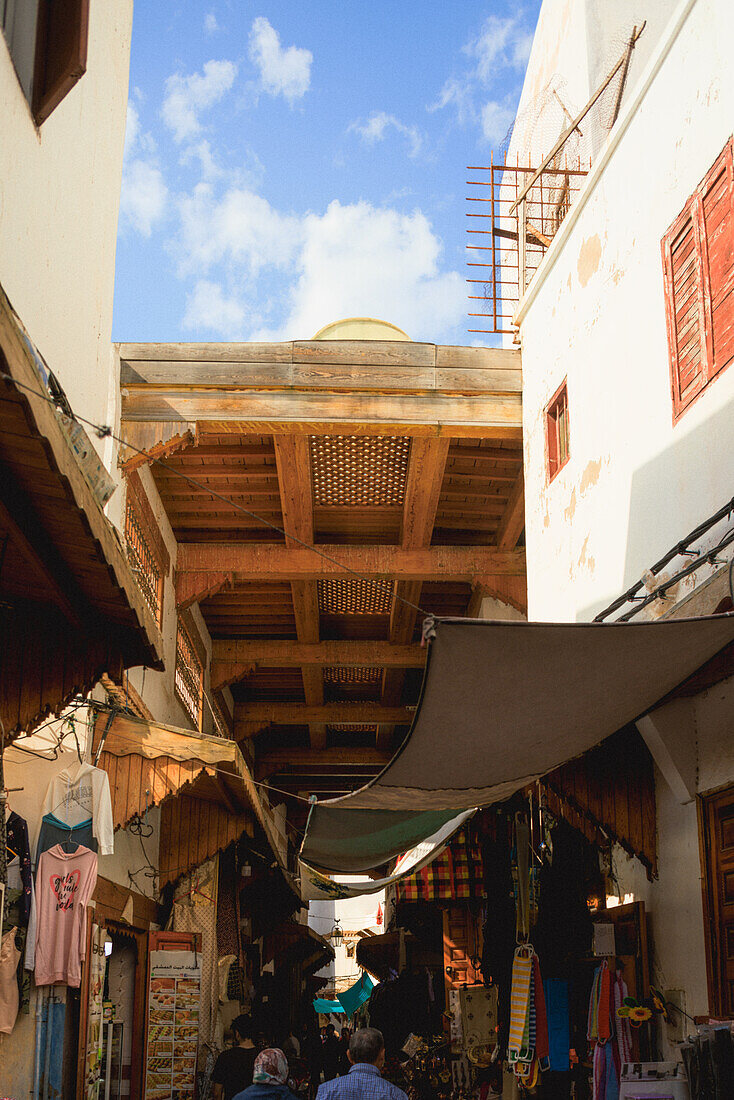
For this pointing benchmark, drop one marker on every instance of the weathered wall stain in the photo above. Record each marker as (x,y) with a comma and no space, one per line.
(589,257)
(570,511)
(590,475)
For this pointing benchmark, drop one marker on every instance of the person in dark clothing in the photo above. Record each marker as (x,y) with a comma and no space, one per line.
(233,1068)
(269,1077)
(344,1064)
(330,1053)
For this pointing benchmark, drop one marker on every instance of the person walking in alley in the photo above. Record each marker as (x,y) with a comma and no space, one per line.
(364,1080)
(234,1067)
(269,1078)
(330,1051)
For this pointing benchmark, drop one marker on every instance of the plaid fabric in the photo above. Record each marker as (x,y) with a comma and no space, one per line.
(454,875)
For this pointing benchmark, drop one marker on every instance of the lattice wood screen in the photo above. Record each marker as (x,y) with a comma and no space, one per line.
(355,597)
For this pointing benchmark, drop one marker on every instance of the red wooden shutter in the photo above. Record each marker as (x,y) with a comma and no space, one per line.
(717,211)
(698,265)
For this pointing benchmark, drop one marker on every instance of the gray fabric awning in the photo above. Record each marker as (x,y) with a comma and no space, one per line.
(502,704)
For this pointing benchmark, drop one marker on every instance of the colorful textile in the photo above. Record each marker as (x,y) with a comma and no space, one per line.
(357,995)
(622,1026)
(559,1025)
(541,1043)
(456,874)
(522,970)
(271,1067)
(605,1032)
(606,1073)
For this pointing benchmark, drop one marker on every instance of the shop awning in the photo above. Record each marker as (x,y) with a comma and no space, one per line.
(293,942)
(148,762)
(72,607)
(316,886)
(502,704)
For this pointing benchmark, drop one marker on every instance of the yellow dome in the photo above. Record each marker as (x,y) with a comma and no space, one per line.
(360,328)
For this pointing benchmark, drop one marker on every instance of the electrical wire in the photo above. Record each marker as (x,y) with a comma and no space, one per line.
(104,431)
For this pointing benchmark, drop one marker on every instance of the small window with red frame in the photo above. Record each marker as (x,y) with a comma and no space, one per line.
(556,431)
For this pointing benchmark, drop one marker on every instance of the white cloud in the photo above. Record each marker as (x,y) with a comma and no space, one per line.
(241,228)
(132,129)
(211,26)
(144,196)
(498,46)
(208,308)
(496,119)
(285,72)
(187,96)
(376,126)
(499,55)
(361,260)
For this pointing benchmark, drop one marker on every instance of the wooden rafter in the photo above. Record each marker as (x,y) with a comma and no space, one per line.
(311,761)
(512,523)
(422,491)
(293,463)
(250,562)
(235,660)
(258,714)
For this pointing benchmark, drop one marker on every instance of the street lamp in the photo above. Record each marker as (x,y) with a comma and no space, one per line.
(336,935)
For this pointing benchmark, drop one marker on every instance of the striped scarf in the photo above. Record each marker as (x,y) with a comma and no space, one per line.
(520,996)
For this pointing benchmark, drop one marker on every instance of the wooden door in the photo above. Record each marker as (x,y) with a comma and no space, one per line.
(461,945)
(717,835)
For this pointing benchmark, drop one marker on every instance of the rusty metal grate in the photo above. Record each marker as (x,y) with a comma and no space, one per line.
(340,675)
(189,678)
(143,561)
(360,471)
(355,597)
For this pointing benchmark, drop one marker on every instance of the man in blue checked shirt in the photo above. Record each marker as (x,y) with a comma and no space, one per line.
(364,1080)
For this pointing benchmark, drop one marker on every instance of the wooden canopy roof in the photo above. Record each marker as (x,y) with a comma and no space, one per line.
(400,462)
(70,607)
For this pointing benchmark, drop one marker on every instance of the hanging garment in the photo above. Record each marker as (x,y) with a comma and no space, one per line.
(622,1026)
(50,1021)
(519,1038)
(16,834)
(64,885)
(559,1024)
(602,1033)
(79,793)
(53,831)
(9,999)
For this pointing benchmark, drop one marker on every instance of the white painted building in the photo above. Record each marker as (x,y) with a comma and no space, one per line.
(356,918)
(629,470)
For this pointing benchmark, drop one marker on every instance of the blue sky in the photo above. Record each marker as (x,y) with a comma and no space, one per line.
(290,164)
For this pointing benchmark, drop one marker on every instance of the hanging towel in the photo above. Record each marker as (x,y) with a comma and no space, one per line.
(542,1047)
(559,1024)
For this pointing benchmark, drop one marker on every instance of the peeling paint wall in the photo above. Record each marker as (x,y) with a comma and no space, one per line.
(635,484)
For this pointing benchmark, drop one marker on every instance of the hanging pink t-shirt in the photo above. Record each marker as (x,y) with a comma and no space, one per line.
(64,885)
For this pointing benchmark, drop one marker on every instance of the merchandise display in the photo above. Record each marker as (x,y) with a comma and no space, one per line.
(64,884)
(79,794)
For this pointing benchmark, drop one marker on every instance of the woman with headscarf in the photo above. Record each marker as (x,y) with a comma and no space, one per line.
(269,1078)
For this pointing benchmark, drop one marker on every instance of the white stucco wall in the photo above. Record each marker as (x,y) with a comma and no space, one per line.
(353,914)
(59,198)
(595,315)
(635,484)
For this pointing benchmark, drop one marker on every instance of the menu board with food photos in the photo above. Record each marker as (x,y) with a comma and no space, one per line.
(174,990)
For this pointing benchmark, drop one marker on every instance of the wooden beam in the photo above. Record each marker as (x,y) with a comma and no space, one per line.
(489,415)
(279,760)
(426,470)
(512,523)
(299,714)
(293,463)
(42,557)
(201,567)
(236,659)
